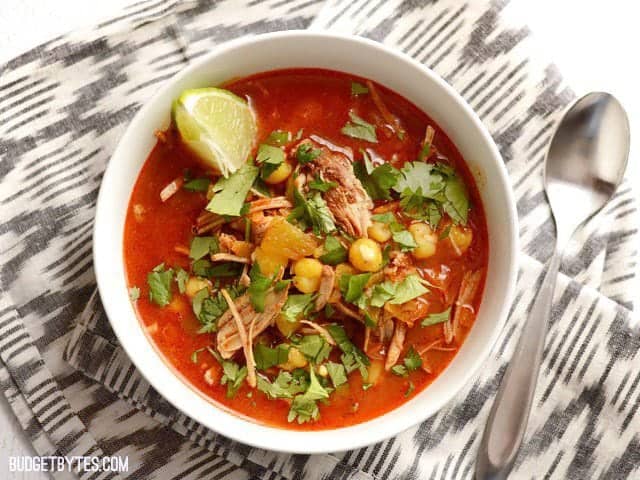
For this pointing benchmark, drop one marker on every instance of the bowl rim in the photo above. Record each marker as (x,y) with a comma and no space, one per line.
(247,431)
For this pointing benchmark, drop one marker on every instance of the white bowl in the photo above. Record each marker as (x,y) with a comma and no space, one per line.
(353,55)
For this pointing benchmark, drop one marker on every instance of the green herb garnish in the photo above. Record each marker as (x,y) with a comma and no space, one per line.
(278,138)
(258,288)
(266,357)
(314,347)
(134,294)
(269,158)
(312,211)
(335,253)
(435,318)
(360,129)
(197,185)
(297,305)
(320,185)
(181,279)
(412,360)
(306,153)
(352,357)
(358,89)
(231,192)
(377,181)
(159,280)
(337,373)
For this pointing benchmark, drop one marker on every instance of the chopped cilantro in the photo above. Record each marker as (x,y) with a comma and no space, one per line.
(352,357)
(358,89)
(269,158)
(312,211)
(397,293)
(412,360)
(266,357)
(352,286)
(297,305)
(386,217)
(159,280)
(258,288)
(320,185)
(231,192)
(181,279)
(286,385)
(369,321)
(399,370)
(197,185)
(281,285)
(278,138)
(377,181)
(410,390)
(204,268)
(337,373)
(233,376)
(335,253)
(194,354)
(202,247)
(208,309)
(445,233)
(306,153)
(435,318)
(360,129)
(428,189)
(315,348)
(304,407)
(405,240)
(134,294)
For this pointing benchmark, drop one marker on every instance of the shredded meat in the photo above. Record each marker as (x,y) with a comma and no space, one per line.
(327,283)
(464,310)
(348,201)
(228,257)
(399,267)
(245,341)
(396,345)
(259,225)
(268,204)
(228,339)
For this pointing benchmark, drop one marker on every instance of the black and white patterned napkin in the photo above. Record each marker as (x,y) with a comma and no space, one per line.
(63,107)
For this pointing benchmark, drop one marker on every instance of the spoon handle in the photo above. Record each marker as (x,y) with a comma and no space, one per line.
(510,412)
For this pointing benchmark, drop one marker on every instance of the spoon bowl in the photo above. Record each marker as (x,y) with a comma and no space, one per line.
(586,160)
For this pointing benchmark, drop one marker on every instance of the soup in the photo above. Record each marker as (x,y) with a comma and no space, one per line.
(328,278)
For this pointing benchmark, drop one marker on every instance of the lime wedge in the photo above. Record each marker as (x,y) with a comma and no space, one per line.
(217,125)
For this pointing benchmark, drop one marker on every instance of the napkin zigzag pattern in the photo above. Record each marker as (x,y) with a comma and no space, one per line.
(63,107)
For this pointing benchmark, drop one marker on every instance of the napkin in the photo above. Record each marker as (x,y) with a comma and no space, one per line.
(63,107)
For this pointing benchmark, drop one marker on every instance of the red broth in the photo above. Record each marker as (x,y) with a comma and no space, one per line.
(317,101)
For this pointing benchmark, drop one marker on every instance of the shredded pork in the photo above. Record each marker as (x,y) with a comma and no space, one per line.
(348,201)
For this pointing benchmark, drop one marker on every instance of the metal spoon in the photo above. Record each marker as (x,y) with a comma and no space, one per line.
(585,164)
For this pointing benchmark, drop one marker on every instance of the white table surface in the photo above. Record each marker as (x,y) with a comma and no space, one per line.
(593,45)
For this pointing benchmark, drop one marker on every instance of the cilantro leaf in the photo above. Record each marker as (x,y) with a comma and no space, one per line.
(400,370)
(313,211)
(358,89)
(408,289)
(297,305)
(412,360)
(266,357)
(208,309)
(335,253)
(397,293)
(181,279)
(269,158)
(352,357)
(159,280)
(405,240)
(231,192)
(233,376)
(285,385)
(197,185)
(304,407)
(377,181)
(204,268)
(410,390)
(337,373)
(352,286)
(320,185)
(435,318)
(360,129)
(306,153)
(134,294)
(202,247)
(315,348)
(258,288)
(386,217)
(279,138)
